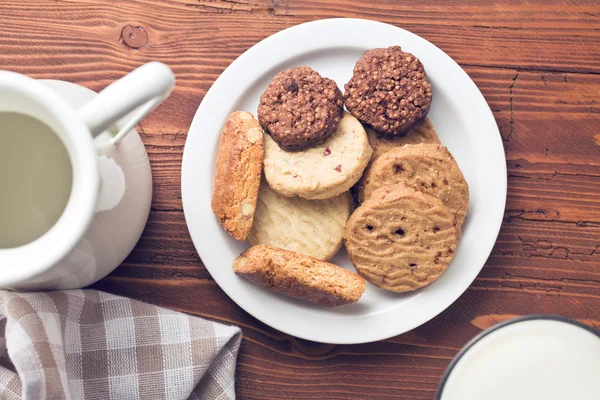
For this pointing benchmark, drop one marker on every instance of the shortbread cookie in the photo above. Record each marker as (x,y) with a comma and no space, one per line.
(324,170)
(428,167)
(239,168)
(388,90)
(401,239)
(299,276)
(311,227)
(300,107)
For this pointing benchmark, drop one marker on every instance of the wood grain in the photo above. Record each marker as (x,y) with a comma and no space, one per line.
(536,62)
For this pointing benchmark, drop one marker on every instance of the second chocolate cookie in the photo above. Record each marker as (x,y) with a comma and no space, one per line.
(388,91)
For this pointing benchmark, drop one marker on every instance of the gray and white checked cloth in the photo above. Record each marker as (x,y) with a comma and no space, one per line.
(86,344)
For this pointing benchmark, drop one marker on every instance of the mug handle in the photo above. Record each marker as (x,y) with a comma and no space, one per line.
(141,90)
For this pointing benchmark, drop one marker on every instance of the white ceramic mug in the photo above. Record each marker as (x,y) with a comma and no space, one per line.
(47,262)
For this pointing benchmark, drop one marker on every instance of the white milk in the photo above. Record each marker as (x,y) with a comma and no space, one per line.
(35,179)
(529,360)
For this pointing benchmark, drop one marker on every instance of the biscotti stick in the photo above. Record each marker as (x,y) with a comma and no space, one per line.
(299,276)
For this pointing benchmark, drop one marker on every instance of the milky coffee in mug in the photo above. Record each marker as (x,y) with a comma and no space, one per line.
(35,179)
(66,176)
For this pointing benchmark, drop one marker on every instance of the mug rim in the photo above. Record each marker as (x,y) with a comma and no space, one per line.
(498,326)
(28,261)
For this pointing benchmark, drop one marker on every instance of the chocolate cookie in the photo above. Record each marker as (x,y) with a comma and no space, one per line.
(299,108)
(388,91)
(401,239)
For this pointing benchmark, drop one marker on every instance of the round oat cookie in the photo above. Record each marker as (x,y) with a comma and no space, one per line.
(311,227)
(300,107)
(238,172)
(422,132)
(388,90)
(428,167)
(401,239)
(323,171)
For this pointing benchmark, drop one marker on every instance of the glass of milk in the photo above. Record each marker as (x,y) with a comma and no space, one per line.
(527,358)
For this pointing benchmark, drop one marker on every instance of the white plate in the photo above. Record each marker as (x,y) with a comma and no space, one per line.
(464,124)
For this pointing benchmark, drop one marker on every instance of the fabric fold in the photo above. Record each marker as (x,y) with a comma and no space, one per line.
(86,344)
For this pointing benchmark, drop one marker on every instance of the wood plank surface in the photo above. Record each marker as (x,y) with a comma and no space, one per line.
(537,63)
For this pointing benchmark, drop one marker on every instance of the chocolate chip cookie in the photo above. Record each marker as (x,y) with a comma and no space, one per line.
(299,108)
(401,239)
(388,91)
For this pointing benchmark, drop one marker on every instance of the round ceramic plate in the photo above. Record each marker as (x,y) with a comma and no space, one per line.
(463,121)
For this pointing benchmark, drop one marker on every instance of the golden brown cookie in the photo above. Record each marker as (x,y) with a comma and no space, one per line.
(311,227)
(401,239)
(299,276)
(428,167)
(238,172)
(422,132)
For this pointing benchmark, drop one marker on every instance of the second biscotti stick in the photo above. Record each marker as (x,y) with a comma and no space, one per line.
(299,276)
(238,172)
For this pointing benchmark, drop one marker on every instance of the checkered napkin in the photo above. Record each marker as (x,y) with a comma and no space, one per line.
(85,344)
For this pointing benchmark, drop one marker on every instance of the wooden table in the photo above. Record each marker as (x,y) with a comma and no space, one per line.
(538,66)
